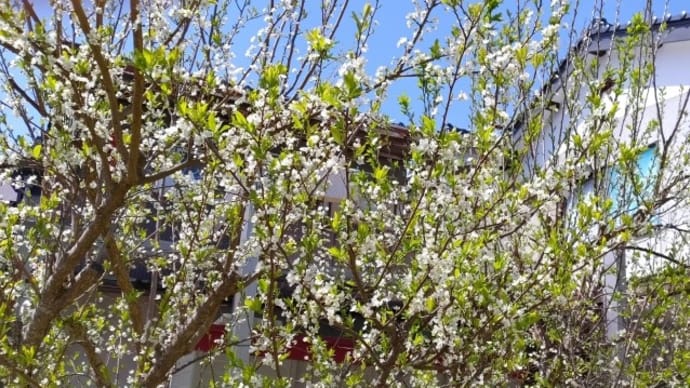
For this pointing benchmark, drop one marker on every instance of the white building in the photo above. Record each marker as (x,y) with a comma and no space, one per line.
(649,111)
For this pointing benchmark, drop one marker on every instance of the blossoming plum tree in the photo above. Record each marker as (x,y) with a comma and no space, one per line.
(160,140)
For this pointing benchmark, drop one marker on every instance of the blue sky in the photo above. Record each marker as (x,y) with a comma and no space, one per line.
(392,22)
(391,26)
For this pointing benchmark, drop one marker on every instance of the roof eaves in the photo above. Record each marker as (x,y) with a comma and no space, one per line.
(596,40)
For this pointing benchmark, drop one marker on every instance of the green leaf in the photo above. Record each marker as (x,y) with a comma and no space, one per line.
(336,220)
(239,121)
(319,43)
(270,78)
(436,50)
(36,151)
(430,304)
(253,304)
(428,125)
(404,102)
(380,174)
(263,285)
(211,123)
(352,87)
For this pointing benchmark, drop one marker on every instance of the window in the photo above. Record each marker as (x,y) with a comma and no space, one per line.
(632,191)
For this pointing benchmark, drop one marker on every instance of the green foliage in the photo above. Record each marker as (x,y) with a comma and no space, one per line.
(272,195)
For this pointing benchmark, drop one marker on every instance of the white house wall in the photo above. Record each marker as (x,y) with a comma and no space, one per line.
(665,102)
(7,193)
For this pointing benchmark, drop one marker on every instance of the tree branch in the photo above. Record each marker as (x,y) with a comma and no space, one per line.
(98,366)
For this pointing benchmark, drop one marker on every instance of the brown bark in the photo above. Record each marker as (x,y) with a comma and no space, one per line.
(196,328)
(54,297)
(98,366)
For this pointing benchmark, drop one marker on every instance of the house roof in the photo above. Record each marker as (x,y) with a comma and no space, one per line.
(597,40)
(679,23)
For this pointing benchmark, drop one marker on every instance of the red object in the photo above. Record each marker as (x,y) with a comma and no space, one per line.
(300,350)
(208,341)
